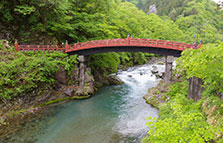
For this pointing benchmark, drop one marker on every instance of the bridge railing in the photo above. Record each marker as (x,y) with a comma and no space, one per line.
(131,42)
(108,43)
(40,47)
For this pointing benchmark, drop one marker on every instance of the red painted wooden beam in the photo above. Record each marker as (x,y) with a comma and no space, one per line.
(128,42)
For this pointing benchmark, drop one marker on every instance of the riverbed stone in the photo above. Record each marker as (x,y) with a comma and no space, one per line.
(160,63)
(154,70)
(155,67)
(159,75)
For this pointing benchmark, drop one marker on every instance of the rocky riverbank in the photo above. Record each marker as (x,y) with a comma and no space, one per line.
(24,109)
(45,95)
(14,112)
(156,95)
(108,103)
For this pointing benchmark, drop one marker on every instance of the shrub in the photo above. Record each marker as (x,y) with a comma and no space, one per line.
(23,72)
(180,123)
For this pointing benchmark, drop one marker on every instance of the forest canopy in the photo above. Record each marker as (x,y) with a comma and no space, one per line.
(54,21)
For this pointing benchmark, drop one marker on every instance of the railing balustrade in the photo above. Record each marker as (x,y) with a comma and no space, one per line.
(129,42)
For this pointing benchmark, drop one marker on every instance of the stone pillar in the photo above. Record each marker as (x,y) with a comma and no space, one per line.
(195,88)
(168,68)
(82,70)
(87,59)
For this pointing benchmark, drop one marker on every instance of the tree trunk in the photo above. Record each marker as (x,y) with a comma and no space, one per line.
(195,88)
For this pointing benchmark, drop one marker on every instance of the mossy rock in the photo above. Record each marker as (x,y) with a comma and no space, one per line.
(154,103)
(98,84)
(83,91)
(114,80)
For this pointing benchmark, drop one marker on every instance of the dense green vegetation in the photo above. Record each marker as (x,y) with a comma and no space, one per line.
(180,121)
(23,72)
(199,18)
(54,21)
(183,120)
(205,63)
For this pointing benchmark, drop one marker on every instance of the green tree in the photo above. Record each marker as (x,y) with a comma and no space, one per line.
(204,63)
(180,121)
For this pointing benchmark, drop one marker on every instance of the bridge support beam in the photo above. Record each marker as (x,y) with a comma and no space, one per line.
(168,68)
(82,70)
(195,88)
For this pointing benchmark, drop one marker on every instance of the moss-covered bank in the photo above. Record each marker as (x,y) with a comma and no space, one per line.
(177,114)
(182,119)
(32,80)
(156,95)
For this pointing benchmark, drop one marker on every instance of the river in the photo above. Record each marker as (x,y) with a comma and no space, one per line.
(116,114)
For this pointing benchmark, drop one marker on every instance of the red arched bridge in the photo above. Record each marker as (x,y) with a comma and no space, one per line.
(162,47)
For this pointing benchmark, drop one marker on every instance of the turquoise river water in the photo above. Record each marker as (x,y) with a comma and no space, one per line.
(116,114)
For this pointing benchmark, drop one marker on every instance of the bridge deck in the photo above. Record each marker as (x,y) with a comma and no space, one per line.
(110,43)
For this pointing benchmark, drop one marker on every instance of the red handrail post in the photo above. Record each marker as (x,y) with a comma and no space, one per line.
(16,46)
(66,46)
(128,39)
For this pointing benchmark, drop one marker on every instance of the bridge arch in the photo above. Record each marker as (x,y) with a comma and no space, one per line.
(161,47)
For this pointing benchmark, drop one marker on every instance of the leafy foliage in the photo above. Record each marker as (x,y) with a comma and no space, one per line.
(205,63)
(105,63)
(199,18)
(21,73)
(179,88)
(181,120)
(54,21)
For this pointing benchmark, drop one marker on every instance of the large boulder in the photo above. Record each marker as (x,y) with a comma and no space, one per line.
(69,91)
(61,76)
(160,75)
(154,70)
(114,80)
(100,80)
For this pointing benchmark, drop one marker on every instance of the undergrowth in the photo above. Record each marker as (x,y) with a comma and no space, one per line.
(23,72)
